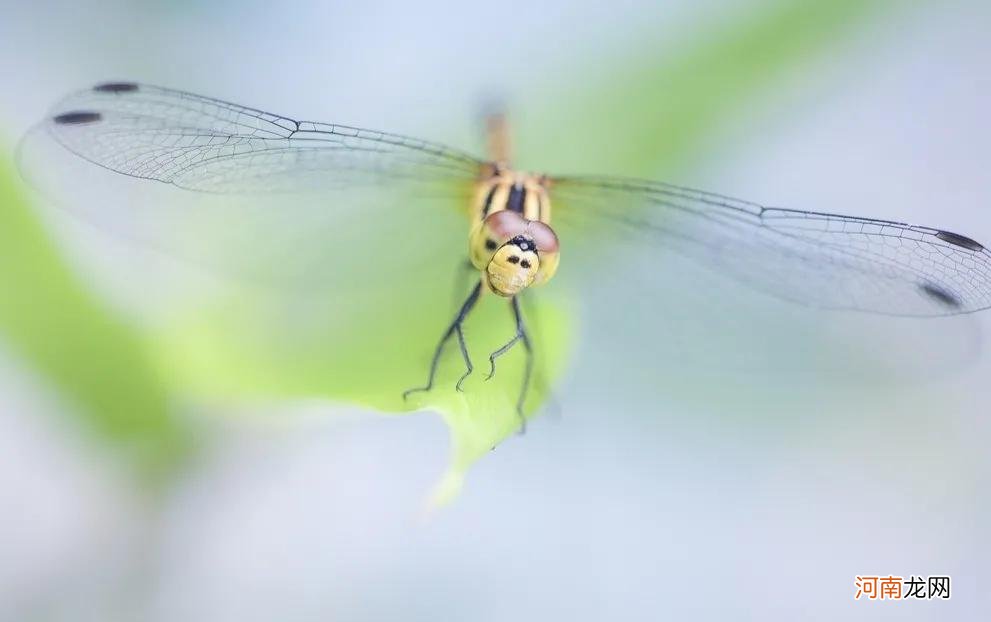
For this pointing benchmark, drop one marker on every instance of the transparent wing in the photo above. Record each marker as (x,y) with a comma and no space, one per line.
(822,260)
(277,200)
(204,144)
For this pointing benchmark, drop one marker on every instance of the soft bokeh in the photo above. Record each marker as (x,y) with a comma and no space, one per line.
(716,455)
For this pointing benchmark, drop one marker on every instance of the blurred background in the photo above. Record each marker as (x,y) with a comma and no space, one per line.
(725,456)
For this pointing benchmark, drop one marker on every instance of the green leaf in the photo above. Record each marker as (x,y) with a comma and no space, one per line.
(101,367)
(378,342)
(656,108)
(368,342)
(368,351)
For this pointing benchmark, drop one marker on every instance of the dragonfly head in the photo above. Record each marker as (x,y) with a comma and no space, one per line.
(513,253)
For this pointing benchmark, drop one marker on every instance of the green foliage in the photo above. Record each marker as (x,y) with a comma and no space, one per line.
(367,349)
(655,109)
(101,367)
(368,343)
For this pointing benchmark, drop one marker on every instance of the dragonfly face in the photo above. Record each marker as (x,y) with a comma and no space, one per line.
(513,253)
(513,267)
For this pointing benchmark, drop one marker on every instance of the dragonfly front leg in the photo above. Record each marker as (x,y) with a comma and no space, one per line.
(465,268)
(453,329)
(521,335)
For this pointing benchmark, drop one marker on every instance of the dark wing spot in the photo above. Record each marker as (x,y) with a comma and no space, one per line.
(490,244)
(940,295)
(78,117)
(525,264)
(513,259)
(115,87)
(959,240)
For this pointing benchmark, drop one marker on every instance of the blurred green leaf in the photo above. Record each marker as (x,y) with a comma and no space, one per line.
(369,343)
(655,108)
(644,117)
(99,365)
(368,350)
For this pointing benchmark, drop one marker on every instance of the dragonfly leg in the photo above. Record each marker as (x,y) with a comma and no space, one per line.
(553,406)
(502,350)
(465,269)
(453,329)
(521,335)
(464,355)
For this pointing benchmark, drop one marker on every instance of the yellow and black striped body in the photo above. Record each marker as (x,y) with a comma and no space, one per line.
(511,241)
(506,189)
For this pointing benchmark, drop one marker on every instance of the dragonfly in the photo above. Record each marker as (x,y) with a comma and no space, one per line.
(515,237)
